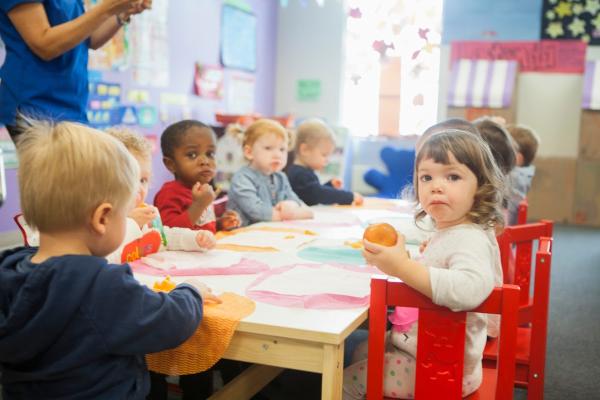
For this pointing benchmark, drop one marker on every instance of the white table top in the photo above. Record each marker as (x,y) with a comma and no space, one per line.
(325,326)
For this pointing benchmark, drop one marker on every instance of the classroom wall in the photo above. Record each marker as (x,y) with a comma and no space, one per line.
(550,103)
(310,46)
(194,36)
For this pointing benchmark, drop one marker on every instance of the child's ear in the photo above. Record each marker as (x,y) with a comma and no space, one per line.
(169,164)
(100,218)
(302,148)
(248,151)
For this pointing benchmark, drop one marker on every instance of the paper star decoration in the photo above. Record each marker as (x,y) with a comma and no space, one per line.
(550,14)
(563,9)
(592,6)
(555,30)
(596,22)
(577,27)
(577,9)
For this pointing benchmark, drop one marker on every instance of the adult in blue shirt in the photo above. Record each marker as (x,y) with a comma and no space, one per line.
(47,41)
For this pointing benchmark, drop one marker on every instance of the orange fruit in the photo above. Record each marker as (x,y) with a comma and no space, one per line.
(382,233)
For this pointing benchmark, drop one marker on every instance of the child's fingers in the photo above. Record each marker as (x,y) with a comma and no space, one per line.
(211,298)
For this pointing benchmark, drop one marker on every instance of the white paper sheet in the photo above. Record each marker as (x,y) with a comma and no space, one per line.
(326,279)
(187,260)
(283,241)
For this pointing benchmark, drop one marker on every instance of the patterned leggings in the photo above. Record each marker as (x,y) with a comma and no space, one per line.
(399,372)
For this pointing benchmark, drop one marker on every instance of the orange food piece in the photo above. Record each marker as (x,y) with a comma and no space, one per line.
(166,285)
(382,233)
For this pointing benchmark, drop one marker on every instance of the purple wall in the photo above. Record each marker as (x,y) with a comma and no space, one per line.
(194,29)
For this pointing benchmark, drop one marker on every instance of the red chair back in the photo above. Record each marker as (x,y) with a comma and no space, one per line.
(441,340)
(522,212)
(516,250)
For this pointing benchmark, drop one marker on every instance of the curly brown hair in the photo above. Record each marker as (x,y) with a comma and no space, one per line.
(475,154)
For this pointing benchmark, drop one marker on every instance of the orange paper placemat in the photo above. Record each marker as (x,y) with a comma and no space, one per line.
(210,341)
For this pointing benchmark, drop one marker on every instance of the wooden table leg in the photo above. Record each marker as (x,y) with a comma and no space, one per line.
(333,368)
(248,383)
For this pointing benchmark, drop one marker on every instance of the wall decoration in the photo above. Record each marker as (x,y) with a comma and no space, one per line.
(238,38)
(482,83)
(240,94)
(308,90)
(114,55)
(562,56)
(591,86)
(571,19)
(208,81)
(491,20)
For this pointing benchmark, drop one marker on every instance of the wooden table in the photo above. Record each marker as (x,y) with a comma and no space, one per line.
(274,338)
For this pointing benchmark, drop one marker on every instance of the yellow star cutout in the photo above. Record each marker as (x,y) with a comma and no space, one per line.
(586,38)
(596,22)
(554,30)
(550,14)
(577,9)
(577,27)
(563,9)
(592,6)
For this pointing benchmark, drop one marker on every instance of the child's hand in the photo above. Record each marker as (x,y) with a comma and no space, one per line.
(423,246)
(336,183)
(229,220)
(205,291)
(358,199)
(143,215)
(287,209)
(386,258)
(203,194)
(206,239)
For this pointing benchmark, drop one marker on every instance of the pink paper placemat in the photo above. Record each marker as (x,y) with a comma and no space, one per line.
(244,267)
(324,300)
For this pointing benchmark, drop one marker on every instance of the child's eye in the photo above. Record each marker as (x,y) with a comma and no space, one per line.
(453,177)
(192,155)
(425,178)
(210,154)
(144,181)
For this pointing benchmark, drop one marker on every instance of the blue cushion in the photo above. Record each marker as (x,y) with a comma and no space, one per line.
(399,164)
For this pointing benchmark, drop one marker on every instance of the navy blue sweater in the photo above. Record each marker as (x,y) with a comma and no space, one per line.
(76,327)
(306,185)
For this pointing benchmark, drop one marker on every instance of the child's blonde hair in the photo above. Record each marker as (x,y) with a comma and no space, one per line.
(311,132)
(133,141)
(67,170)
(527,141)
(475,154)
(262,127)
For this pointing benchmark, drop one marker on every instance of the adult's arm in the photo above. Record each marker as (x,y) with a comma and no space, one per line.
(49,42)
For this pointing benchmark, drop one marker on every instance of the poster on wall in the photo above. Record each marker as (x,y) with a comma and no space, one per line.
(571,19)
(208,81)
(149,47)
(114,54)
(238,38)
(9,152)
(240,94)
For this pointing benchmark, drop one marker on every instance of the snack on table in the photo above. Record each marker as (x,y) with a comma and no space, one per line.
(166,285)
(381,233)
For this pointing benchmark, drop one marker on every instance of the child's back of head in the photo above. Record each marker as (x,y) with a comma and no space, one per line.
(501,144)
(311,132)
(67,170)
(527,141)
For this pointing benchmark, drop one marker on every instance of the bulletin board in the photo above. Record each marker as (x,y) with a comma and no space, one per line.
(238,38)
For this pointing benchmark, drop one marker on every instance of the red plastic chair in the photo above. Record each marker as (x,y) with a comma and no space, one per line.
(516,250)
(522,212)
(31,236)
(441,342)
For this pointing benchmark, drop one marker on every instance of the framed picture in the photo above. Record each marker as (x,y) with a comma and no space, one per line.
(238,38)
